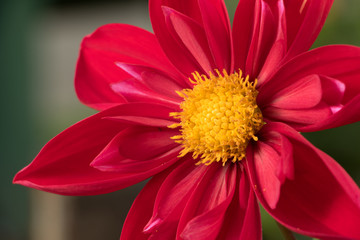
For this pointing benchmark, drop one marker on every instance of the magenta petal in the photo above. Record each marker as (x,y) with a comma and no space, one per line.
(173,196)
(151,141)
(300,102)
(63,165)
(268,41)
(136,92)
(144,114)
(192,36)
(242,220)
(112,43)
(150,110)
(272,61)
(333,90)
(144,121)
(284,168)
(207,225)
(345,115)
(322,201)
(155,79)
(139,149)
(263,170)
(148,85)
(217,27)
(141,209)
(175,191)
(262,39)
(251,228)
(340,62)
(304,93)
(183,60)
(243,27)
(279,47)
(299,117)
(203,215)
(336,65)
(304,21)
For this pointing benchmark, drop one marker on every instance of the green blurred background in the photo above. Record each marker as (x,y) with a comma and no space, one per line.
(39,42)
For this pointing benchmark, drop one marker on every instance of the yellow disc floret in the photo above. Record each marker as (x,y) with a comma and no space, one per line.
(219,117)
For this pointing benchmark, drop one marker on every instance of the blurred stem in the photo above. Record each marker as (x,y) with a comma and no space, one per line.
(288,235)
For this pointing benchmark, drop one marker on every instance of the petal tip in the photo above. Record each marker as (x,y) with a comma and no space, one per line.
(99,165)
(19,177)
(154,222)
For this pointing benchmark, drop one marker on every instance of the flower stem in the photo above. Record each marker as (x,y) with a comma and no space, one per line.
(288,235)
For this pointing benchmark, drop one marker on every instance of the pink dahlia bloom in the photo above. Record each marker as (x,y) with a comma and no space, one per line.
(213,115)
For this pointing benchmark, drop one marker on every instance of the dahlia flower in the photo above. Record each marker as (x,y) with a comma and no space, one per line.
(213,115)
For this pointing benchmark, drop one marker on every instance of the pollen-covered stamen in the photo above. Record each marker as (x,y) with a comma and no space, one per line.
(219,117)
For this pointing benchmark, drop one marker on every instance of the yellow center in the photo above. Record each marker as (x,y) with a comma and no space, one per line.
(219,117)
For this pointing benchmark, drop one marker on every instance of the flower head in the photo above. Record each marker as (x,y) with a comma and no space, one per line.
(213,115)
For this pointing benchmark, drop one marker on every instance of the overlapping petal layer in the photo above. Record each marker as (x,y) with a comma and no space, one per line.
(96,71)
(220,206)
(63,165)
(267,33)
(337,69)
(321,200)
(195,35)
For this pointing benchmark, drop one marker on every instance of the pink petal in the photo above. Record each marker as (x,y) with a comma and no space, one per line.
(270,164)
(242,220)
(203,215)
(259,33)
(151,141)
(304,19)
(188,21)
(263,170)
(155,79)
(144,121)
(148,85)
(141,209)
(243,27)
(304,93)
(298,117)
(176,197)
(279,47)
(345,115)
(307,100)
(112,43)
(333,90)
(183,60)
(150,110)
(173,196)
(285,169)
(337,67)
(322,201)
(273,60)
(192,35)
(340,62)
(217,27)
(301,102)
(63,165)
(145,114)
(135,91)
(139,149)
(262,38)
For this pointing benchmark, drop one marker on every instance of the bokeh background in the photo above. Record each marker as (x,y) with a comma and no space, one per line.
(39,44)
